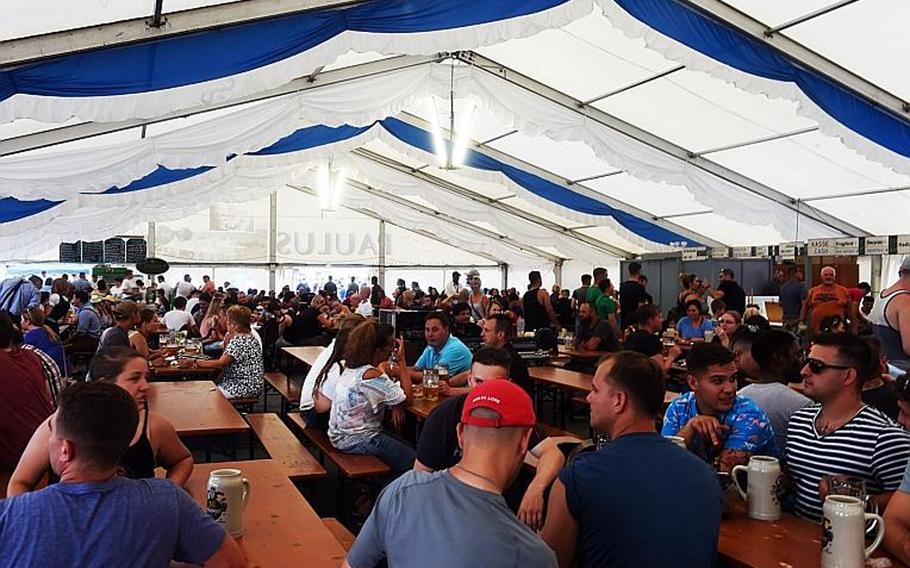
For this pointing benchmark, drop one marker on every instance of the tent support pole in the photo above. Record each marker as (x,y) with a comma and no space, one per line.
(150,240)
(557,272)
(876,280)
(382,252)
(504,269)
(273,237)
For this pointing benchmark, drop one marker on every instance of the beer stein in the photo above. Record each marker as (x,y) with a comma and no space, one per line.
(843,532)
(761,493)
(226,496)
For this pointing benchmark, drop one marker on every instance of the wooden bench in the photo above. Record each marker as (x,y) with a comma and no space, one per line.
(244,405)
(284,447)
(351,466)
(286,389)
(341,534)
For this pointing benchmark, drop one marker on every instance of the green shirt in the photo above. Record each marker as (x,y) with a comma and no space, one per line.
(605,306)
(593,294)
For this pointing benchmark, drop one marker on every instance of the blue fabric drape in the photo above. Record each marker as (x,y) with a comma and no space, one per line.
(314,136)
(737,49)
(185,60)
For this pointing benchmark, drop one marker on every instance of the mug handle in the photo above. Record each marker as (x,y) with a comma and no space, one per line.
(879,532)
(735,479)
(246,494)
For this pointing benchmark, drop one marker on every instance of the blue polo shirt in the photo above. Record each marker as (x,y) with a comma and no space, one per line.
(454,353)
(749,427)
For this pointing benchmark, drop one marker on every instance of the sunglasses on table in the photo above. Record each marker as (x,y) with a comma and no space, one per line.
(817,366)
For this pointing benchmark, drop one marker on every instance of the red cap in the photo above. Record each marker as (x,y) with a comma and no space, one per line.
(505,397)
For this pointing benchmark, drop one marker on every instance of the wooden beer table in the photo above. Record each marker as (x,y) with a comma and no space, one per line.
(196,408)
(306,355)
(168,373)
(279,527)
(787,542)
(579,353)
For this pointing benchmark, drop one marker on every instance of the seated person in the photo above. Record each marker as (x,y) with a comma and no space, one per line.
(897,521)
(648,321)
(95,517)
(496,333)
(605,506)
(40,335)
(777,356)
(241,363)
(694,324)
(148,326)
(842,435)
(318,390)
(442,348)
(438,448)
(154,442)
(178,319)
(462,326)
(126,317)
(879,391)
(592,333)
(363,393)
(723,428)
(420,515)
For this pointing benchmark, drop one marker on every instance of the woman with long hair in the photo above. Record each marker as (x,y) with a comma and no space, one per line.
(40,335)
(694,324)
(155,443)
(241,363)
(478,301)
(320,382)
(362,394)
(213,327)
(727,325)
(148,323)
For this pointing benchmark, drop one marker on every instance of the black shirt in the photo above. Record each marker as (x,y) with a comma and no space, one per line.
(466,330)
(603,331)
(882,398)
(304,325)
(519,371)
(734,296)
(645,343)
(535,313)
(631,295)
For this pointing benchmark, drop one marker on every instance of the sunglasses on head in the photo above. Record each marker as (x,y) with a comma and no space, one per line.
(817,366)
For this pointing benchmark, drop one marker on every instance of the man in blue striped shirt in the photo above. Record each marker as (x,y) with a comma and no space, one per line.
(18,295)
(842,436)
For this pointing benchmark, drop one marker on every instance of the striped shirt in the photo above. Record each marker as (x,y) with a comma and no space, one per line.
(51,371)
(870,446)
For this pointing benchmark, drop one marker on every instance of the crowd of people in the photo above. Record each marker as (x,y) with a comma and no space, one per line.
(829,401)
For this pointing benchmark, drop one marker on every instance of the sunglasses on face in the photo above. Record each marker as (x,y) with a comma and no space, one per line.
(817,366)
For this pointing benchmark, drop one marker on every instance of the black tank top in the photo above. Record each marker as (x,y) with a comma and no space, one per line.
(139,460)
(535,314)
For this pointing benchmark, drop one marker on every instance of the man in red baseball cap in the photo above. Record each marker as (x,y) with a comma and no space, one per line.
(420,514)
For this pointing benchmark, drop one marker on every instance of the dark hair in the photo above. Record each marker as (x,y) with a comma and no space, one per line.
(828,323)
(604,284)
(719,306)
(459,308)
(864,286)
(645,313)
(585,278)
(110,361)
(363,342)
(100,418)
(341,340)
(727,272)
(437,315)
(757,322)
(744,336)
(179,302)
(703,355)
(502,322)
(83,296)
(767,344)
(852,351)
(534,276)
(493,357)
(695,303)
(902,387)
(599,271)
(634,268)
(641,378)
(9,333)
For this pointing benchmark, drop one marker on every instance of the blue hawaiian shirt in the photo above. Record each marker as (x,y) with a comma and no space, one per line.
(749,427)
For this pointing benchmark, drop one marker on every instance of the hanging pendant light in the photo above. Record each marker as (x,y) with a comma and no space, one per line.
(330,184)
(451,153)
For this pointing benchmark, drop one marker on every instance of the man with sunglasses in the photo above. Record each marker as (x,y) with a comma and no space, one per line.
(438,447)
(723,428)
(841,435)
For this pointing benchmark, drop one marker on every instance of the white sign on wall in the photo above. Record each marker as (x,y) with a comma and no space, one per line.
(876,245)
(846,247)
(720,252)
(903,244)
(742,252)
(820,247)
(788,250)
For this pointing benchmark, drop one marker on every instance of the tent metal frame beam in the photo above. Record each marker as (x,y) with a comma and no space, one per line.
(643,136)
(581,189)
(463,192)
(633,85)
(24,143)
(686,214)
(802,55)
(856,194)
(378,217)
(770,138)
(595,177)
(432,213)
(810,16)
(34,48)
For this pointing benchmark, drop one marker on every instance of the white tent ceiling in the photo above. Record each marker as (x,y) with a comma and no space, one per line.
(760,144)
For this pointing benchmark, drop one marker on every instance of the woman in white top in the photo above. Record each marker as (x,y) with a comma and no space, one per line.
(319,384)
(478,300)
(362,394)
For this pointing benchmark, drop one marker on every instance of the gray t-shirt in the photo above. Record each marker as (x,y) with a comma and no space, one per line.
(434,519)
(779,402)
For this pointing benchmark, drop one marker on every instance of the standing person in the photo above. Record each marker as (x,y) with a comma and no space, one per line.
(165,287)
(605,504)
(208,286)
(377,293)
(82,283)
(841,435)
(890,319)
(580,294)
(631,295)
(827,299)
(18,294)
(535,305)
(363,393)
(94,517)
(154,442)
(729,290)
(594,291)
(185,287)
(453,287)
(421,513)
(25,399)
(606,306)
(477,300)
(353,288)
(330,288)
(716,423)
(778,357)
